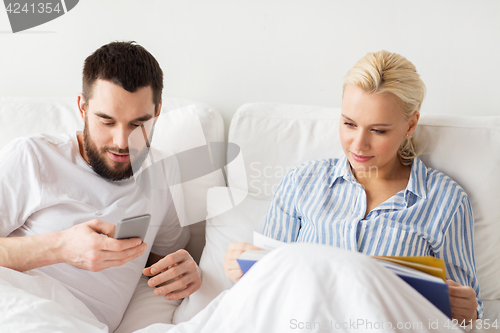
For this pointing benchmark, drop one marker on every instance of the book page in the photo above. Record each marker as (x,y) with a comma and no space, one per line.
(253,255)
(430,265)
(266,243)
(406,271)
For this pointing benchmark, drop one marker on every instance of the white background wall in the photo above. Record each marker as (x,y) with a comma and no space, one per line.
(229,52)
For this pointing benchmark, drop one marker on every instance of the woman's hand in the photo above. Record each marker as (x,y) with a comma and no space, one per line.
(463,302)
(231,267)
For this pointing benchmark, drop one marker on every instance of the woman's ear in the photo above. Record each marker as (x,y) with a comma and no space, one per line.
(412,124)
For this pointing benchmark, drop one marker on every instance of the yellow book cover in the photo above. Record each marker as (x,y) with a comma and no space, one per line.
(427,264)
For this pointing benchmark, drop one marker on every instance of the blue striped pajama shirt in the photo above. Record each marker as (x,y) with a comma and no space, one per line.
(322,202)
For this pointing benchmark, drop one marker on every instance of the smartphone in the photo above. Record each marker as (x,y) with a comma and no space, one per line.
(132,227)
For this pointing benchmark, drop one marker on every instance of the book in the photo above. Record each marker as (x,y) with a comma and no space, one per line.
(425,274)
(248,258)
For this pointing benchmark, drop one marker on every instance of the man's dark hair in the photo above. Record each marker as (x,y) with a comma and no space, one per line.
(125,64)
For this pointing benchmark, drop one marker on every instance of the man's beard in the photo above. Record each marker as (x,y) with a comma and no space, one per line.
(97,161)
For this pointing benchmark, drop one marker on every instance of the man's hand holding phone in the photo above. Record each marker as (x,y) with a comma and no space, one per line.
(83,246)
(176,276)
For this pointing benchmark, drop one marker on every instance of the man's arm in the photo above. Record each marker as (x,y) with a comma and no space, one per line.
(81,246)
(25,253)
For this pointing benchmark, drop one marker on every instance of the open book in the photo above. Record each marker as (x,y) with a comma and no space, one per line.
(425,274)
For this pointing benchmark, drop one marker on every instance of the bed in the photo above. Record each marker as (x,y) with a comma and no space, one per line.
(273,138)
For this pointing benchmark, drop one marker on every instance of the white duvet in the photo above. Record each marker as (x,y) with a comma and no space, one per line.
(298,288)
(315,288)
(35,302)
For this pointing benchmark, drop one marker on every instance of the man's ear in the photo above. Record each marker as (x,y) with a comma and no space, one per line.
(158,109)
(82,105)
(412,125)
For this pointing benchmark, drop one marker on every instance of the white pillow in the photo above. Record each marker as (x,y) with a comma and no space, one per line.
(179,127)
(235,225)
(275,138)
(23,116)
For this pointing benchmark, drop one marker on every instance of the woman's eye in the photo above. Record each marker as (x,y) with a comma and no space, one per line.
(349,124)
(379,131)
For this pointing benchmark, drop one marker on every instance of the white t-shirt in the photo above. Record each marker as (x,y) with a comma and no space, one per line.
(46,186)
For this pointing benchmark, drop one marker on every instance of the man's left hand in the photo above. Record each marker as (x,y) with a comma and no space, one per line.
(180,272)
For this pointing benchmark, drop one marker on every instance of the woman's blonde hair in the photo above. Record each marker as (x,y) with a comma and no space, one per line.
(384,71)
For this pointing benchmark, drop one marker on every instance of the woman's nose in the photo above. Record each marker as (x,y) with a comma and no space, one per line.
(361,141)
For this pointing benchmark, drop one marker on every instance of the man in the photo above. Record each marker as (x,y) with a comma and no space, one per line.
(60,194)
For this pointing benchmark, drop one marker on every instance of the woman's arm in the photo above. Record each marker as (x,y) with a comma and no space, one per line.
(282,220)
(457,251)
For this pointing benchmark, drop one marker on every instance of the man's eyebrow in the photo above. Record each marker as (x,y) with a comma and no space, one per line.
(103,115)
(141,118)
(381,124)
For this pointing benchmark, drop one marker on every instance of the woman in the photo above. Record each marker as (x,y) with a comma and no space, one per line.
(379,199)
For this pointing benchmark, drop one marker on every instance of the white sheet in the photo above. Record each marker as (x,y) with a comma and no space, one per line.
(319,286)
(146,309)
(35,302)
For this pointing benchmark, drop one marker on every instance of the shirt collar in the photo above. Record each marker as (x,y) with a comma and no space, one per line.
(416,183)
(342,169)
(418,179)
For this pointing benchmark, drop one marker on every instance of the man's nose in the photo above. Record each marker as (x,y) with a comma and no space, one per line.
(120,138)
